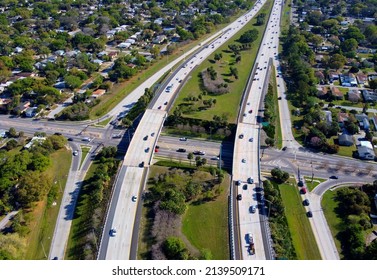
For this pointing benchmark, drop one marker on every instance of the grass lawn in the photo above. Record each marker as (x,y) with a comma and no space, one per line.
(316,181)
(121,90)
(334,222)
(226,103)
(278,136)
(44,217)
(299,226)
(80,218)
(286,19)
(103,123)
(85,151)
(206,225)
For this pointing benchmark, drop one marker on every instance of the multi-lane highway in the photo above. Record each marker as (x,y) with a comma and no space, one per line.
(142,146)
(246,171)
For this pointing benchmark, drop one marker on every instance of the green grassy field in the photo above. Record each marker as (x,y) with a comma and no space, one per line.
(299,226)
(278,135)
(316,181)
(286,20)
(44,218)
(226,103)
(81,218)
(85,150)
(328,205)
(206,225)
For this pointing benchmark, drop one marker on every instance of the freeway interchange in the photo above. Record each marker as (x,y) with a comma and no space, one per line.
(244,157)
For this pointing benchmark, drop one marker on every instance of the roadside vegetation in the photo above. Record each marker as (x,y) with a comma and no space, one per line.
(40,175)
(347,211)
(172,202)
(91,206)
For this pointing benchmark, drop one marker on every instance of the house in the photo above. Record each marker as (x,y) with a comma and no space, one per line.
(342,117)
(365,152)
(131,41)
(322,92)
(345,140)
(319,75)
(23,106)
(328,117)
(30,112)
(33,140)
(336,93)
(98,61)
(98,93)
(354,95)
(369,96)
(4,102)
(159,39)
(348,80)
(362,79)
(113,55)
(333,76)
(124,45)
(363,121)
(366,144)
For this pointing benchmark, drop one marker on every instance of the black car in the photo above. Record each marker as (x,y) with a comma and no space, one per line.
(284,148)
(70,139)
(181,150)
(58,133)
(239,196)
(309,214)
(334,177)
(306,202)
(141,164)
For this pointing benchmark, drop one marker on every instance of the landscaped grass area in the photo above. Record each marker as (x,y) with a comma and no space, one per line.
(286,18)
(328,205)
(85,150)
(121,90)
(103,123)
(80,219)
(206,225)
(44,218)
(227,103)
(312,184)
(278,136)
(299,226)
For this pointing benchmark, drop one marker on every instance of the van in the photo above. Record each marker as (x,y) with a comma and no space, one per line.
(86,139)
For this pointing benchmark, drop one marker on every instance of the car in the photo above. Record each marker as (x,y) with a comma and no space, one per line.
(134,198)
(250,180)
(183,139)
(159,107)
(249,238)
(141,164)
(145,138)
(166,103)
(309,214)
(180,81)
(181,150)
(238,182)
(300,183)
(86,139)
(75,153)
(116,136)
(70,139)
(146,150)
(241,136)
(152,134)
(113,232)
(306,202)
(279,98)
(334,177)
(303,190)
(244,186)
(250,111)
(155,150)
(55,258)
(284,148)
(201,153)
(157,146)
(215,158)
(253,209)
(239,196)
(58,133)
(244,114)
(251,139)
(278,85)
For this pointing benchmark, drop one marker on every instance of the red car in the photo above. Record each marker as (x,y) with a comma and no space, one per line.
(250,111)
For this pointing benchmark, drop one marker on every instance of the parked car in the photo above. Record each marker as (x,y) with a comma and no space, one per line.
(250,180)
(181,150)
(239,196)
(306,202)
(303,190)
(241,136)
(253,209)
(309,214)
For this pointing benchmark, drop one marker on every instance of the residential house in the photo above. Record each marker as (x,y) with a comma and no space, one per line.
(124,45)
(34,140)
(348,80)
(322,92)
(23,106)
(131,41)
(113,55)
(30,112)
(159,39)
(345,140)
(369,95)
(333,76)
(362,80)
(363,121)
(4,102)
(98,93)
(354,95)
(336,93)
(320,76)
(365,153)
(342,117)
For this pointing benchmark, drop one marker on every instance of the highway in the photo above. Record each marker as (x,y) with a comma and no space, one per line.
(143,142)
(246,147)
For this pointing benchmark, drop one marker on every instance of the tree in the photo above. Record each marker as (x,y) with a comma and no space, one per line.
(349,45)
(11,144)
(72,82)
(270,142)
(249,36)
(218,56)
(279,175)
(373,84)
(174,249)
(234,72)
(12,132)
(337,61)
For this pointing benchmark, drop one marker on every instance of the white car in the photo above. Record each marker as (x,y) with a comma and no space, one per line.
(183,139)
(75,153)
(134,198)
